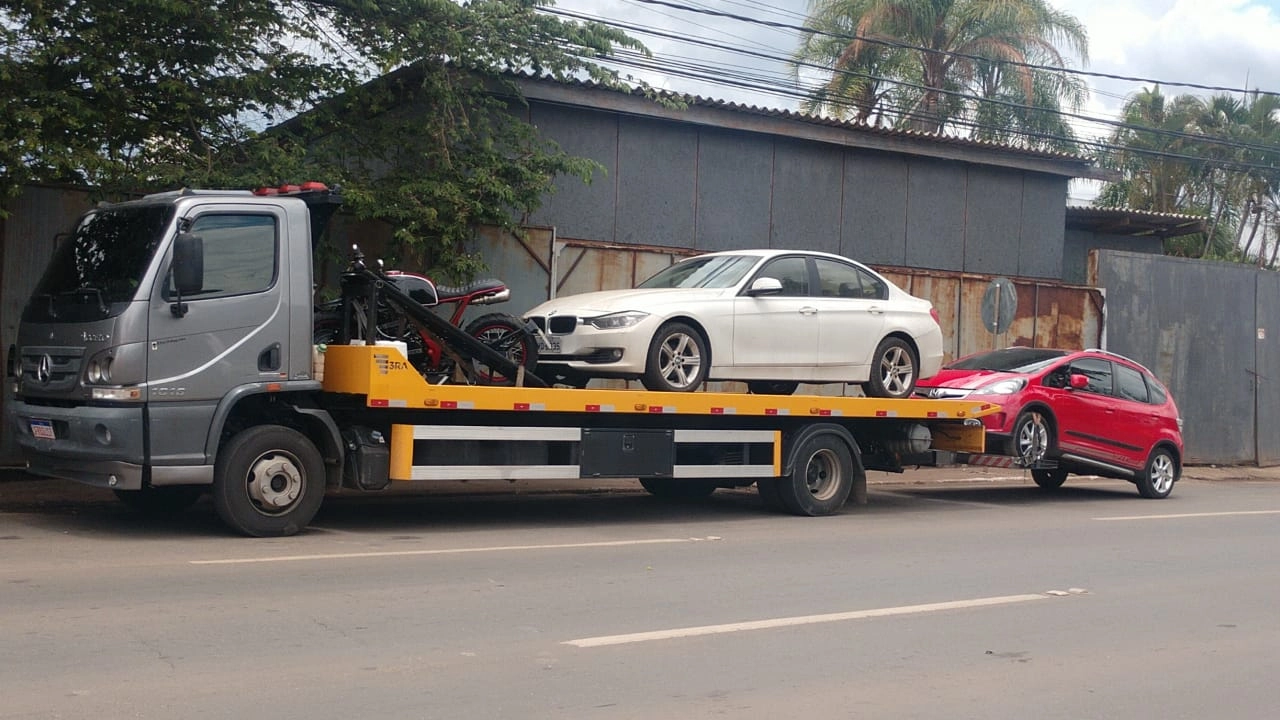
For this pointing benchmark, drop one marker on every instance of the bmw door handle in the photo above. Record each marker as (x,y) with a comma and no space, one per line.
(875,310)
(807,310)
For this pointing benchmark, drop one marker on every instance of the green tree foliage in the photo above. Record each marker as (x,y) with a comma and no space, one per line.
(137,95)
(911,63)
(1218,158)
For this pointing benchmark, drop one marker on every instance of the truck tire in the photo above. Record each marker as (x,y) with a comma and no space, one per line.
(678,489)
(161,501)
(821,476)
(268,481)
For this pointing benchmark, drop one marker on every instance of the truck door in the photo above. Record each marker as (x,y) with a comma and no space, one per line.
(233,331)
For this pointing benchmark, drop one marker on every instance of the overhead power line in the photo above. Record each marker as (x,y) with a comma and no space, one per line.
(909,46)
(1160,132)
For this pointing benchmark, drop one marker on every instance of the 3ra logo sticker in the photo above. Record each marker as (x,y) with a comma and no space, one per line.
(386,364)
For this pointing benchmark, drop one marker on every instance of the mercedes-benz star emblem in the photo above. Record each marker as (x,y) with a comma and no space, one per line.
(44,371)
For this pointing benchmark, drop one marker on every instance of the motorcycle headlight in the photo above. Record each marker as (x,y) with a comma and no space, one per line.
(1002,387)
(615,321)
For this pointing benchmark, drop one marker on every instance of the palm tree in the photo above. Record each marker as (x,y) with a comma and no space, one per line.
(1205,157)
(943,52)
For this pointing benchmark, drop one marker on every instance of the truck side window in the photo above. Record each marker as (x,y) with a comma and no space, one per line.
(239,254)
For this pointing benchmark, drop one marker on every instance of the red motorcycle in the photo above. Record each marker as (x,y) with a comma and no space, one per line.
(505,333)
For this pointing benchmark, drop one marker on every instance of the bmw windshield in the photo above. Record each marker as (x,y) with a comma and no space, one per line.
(715,271)
(96,270)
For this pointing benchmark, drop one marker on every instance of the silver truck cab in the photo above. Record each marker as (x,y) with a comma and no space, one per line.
(128,380)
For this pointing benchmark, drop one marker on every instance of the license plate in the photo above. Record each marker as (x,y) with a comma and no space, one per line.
(549,343)
(42,429)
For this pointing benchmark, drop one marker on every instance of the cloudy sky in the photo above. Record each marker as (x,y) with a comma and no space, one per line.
(1222,43)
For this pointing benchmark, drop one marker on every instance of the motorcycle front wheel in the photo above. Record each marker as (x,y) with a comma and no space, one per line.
(507,335)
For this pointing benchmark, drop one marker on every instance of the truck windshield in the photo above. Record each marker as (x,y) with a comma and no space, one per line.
(99,267)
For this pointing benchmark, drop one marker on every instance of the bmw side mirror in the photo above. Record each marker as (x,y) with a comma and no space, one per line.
(764,286)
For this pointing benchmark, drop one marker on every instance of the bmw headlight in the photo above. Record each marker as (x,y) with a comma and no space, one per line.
(1002,387)
(616,321)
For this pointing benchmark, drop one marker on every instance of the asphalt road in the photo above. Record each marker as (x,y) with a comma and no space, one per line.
(937,600)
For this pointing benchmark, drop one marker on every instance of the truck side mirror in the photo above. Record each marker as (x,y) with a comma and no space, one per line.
(188,264)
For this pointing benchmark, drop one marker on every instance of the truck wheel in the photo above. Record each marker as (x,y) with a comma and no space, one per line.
(821,477)
(161,501)
(678,489)
(505,334)
(678,359)
(268,481)
(1156,480)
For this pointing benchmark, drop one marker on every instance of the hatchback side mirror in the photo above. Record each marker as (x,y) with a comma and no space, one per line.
(1079,382)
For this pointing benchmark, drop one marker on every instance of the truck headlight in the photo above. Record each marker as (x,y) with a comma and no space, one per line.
(99,370)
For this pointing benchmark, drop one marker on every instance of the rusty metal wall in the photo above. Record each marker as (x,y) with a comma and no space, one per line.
(1208,330)
(1047,314)
(27,239)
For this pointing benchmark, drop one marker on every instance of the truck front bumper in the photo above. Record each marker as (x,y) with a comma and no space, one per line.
(100,446)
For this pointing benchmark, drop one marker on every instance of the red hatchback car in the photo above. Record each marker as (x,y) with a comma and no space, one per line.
(1085,412)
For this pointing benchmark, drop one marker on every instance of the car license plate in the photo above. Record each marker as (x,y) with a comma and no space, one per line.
(42,429)
(549,343)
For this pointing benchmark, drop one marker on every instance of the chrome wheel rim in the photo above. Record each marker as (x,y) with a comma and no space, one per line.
(680,361)
(1162,473)
(274,482)
(896,371)
(1033,439)
(822,475)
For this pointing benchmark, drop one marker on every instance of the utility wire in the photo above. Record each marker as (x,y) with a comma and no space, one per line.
(1207,139)
(909,46)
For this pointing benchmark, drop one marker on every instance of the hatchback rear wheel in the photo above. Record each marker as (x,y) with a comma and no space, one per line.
(1162,471)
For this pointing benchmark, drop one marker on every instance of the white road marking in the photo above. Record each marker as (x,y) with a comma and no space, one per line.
(449,551)
(1189,515)
(803,620)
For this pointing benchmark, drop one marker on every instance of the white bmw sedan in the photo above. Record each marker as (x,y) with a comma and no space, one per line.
(771,318)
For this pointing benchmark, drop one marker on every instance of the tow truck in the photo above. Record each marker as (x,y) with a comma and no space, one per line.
(168,352)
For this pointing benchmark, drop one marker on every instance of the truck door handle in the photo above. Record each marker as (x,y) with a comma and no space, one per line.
(269,359)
